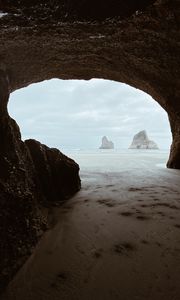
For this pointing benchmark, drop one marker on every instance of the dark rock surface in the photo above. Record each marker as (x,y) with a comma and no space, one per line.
(57,174)
(174,159)
(31,176)
(135,42)
(74,10)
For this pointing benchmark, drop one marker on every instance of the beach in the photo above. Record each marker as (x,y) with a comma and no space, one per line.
(118,238)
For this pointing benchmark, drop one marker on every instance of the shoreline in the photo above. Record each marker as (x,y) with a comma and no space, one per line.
(118,238)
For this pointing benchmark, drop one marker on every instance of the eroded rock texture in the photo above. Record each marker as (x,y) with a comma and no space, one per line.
(135,42)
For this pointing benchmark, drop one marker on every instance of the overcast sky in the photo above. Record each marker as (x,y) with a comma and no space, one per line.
(77,113)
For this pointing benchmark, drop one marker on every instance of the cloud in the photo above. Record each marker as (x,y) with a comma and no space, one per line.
(77,113)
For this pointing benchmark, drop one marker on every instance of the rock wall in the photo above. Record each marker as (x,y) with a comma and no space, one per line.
(174,158)
(70,10)
(26,171)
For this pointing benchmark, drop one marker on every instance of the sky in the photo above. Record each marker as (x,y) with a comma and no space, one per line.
(75,114)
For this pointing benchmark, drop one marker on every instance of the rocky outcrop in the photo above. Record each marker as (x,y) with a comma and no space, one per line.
(106,144)
(57,174)
(31,176)
(141,141)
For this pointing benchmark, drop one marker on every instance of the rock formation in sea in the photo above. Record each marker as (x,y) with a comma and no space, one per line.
(141,141)
(135,42)
(106,144)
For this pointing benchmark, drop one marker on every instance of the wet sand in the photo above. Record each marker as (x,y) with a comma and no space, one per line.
(118,238)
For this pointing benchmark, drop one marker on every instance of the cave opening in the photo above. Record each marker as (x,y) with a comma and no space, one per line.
(121,213)
(74,115)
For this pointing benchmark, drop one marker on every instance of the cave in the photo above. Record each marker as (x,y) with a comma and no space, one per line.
(140,50)
(136,43)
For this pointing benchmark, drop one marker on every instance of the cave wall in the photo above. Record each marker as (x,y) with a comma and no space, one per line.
(134,42)
(32,177)
(77,9)
(137,45)
(141,50)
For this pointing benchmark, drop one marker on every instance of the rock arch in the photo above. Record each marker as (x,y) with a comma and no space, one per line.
(63,41)
(137,44)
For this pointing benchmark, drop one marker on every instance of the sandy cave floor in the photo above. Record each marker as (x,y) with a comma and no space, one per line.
(118,238)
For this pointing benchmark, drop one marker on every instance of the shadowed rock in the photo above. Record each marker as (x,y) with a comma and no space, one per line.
(75,9)
(57,174)
(31,175)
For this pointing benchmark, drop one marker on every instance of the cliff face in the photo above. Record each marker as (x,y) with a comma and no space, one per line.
(127,41)
(141,141)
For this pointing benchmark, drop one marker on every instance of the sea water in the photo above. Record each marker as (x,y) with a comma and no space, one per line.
(117,160)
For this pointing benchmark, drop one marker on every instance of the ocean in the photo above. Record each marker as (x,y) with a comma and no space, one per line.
(118,160)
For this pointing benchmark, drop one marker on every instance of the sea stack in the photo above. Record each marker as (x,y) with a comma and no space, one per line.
(141,141)
(106,144)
